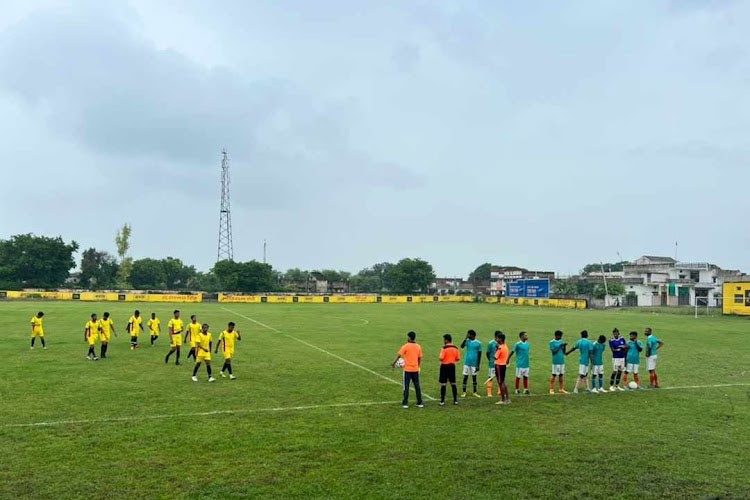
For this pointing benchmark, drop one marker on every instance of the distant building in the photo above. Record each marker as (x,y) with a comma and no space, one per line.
(451,286)
(500,276)
(663,281)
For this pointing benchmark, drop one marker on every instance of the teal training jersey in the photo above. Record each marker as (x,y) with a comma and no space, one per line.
(652,344)
(584,347)
(521,349)
(598,351)
(559,357)
(634,356)
(491,348)
(473,352)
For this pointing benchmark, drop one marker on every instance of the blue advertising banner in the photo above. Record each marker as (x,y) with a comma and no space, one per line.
(538,289)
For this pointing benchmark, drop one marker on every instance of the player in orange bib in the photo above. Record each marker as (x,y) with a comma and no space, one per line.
(501,365)
(411,353)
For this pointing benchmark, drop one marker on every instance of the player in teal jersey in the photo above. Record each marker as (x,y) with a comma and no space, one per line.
(557,348)
(652,347)
(585,346)
(521,350)
(598,361)
(490,355)
(472,360)
(633,359)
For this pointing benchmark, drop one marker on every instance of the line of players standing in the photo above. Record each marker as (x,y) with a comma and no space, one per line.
(625,362)
(201,340)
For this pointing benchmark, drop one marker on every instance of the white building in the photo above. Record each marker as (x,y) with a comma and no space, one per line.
(502,275)
(662,281)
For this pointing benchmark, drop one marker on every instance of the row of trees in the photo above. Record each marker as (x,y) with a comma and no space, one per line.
(29,261)
(581,287)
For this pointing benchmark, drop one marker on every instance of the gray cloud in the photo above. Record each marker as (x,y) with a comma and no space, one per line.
(459,132)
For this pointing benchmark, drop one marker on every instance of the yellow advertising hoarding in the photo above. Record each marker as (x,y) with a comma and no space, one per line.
(342,299)
(105,296)
(40,295)
(521,301)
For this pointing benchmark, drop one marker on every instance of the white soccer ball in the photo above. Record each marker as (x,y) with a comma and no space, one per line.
(632,385)
(400,363)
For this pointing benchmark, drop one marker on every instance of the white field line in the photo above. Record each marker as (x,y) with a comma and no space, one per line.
(312,346)
(56,423)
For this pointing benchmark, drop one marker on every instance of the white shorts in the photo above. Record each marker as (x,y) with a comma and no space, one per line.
(618,364)
(558,369)
(522,372)
(470,370)
(631,368)
(583,370)
(651,362)
(597,370)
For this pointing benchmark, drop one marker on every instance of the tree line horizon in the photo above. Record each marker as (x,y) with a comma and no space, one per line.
(31,261)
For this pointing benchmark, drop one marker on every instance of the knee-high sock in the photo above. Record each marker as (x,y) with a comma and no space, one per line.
(466,380)
(474,382)
(195,369)
(455,392)
(442,393)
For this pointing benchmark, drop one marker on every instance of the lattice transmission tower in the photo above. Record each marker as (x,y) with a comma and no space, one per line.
(225,251)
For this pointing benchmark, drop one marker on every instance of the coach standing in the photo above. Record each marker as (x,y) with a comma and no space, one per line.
(411,353)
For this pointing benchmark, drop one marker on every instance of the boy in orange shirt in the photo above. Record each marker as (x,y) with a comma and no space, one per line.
(449,356)
(501,365)
(411,353)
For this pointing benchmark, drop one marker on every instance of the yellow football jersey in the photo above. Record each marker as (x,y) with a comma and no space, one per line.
(229,339)
(37,323)
(136,325)
(176,325)
(203,341)
(154,325)
(194,329)
(92,328)
(106,325)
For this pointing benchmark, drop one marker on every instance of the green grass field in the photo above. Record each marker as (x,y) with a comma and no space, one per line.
(300,422)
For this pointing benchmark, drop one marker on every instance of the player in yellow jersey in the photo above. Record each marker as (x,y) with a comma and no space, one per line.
(154,327)
(175,328)
(191,332)
(90,336)
(203,343)
(227,340)
(106,329)
(135,327)
(37,330)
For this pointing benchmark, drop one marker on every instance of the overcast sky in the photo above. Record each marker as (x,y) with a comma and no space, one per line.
(540,134)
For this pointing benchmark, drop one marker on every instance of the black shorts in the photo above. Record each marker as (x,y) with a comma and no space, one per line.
(447,374)
(500,373)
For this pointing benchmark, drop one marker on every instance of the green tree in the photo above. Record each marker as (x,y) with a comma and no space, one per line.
(33,261)
(296,275)
(383,272)
(596,267)
(176,273)
(250,276)
(205,282)
(98,270)
(368,283)
(481,273)
(564,288)
(615,289)
(411,276)
(148,274)
(122,240)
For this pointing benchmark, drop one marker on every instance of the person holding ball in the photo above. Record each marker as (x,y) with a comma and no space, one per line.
(633,358)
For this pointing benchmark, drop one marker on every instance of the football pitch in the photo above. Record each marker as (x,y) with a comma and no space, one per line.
(315,411)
